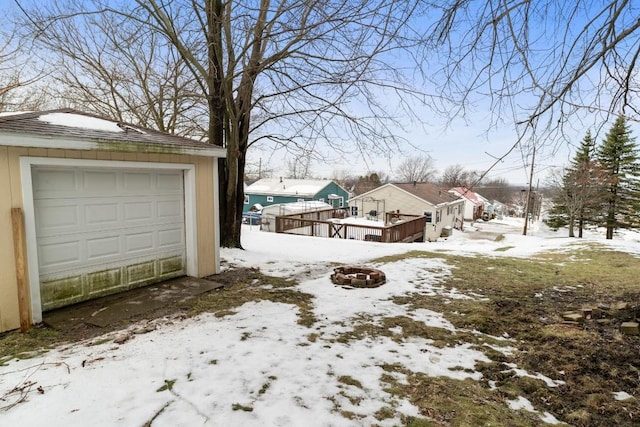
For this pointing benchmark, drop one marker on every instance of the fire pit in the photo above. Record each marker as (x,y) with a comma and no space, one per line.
(358,277)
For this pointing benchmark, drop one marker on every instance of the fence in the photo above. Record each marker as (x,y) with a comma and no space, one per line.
(327,223)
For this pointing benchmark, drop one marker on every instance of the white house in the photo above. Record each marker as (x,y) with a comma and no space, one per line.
(443,211)
(474,204)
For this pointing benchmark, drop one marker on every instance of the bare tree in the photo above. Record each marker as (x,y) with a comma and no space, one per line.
(117,67)
(575,189)
(15,73)
(419,169)
(369,182)
(495,189)
(457,176)
(543,64)
(299,167)
(283,72)
(344,178)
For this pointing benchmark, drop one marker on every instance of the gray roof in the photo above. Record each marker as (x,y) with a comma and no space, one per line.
(429,192)
(68,128)
(426,192)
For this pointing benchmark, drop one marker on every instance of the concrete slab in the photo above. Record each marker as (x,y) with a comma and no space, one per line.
(130,305)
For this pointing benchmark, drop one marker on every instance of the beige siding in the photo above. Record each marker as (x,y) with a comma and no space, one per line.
(11,196)
(55,152)
(37,152)
(9,318)
(90,155)
(205,217)
(392,199)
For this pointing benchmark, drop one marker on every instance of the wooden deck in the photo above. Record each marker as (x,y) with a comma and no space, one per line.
(327,223)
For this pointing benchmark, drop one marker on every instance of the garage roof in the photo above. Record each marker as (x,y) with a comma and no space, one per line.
(71,129)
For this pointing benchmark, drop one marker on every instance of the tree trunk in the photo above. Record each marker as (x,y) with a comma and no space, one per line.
(229,231)
(238,138)
(611,220)
(571,226)
(580,227)
(231,220)
(581,221)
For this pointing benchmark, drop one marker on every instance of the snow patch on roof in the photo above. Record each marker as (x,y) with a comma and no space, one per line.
(80,121)
(294,207)
(287,187)
(12,113)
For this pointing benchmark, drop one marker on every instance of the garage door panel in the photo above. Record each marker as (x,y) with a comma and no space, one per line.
(100,181)
(169,209)
(63,291)
(169,266)
(59,254)
(141,273)
(101,213)
(136,211)
(137,181)
(140,242)
(170,238)
(53,182)
(169,181)
(103,247)
(61,216)
(101,231)
(102,282)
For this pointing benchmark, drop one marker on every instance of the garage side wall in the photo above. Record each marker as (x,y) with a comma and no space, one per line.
(206,232)
(207,212)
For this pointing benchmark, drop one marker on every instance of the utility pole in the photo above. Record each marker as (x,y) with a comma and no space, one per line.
(526,205)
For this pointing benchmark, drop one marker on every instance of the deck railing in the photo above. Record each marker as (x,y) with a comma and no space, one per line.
(399,228)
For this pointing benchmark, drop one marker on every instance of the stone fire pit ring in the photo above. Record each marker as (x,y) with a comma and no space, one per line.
(358,276)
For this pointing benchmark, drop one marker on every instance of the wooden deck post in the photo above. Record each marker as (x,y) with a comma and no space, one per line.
(17,220)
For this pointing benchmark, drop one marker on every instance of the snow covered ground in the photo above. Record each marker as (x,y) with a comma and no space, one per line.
(211,371)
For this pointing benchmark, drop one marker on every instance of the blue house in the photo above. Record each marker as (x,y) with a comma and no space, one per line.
(269,191)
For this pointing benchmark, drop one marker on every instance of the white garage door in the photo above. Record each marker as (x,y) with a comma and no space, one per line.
(103,230)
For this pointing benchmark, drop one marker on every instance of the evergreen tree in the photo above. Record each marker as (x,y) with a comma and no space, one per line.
(585,177)
(577,190)
(618,158)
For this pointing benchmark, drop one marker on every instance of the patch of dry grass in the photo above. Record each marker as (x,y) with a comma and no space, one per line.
(28,344)
(251,285)
(524,300)
(444,401)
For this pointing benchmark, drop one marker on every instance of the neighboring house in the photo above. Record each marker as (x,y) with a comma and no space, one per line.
(442,210)
(268,191)
(105,207)
(474,203)
(496,208)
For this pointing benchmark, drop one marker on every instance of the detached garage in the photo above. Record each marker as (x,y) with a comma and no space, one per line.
(105,207)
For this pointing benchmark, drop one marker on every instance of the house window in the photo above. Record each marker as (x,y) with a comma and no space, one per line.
(429,216)
(438,216)
(269,198)
(354,211)
(246,200)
